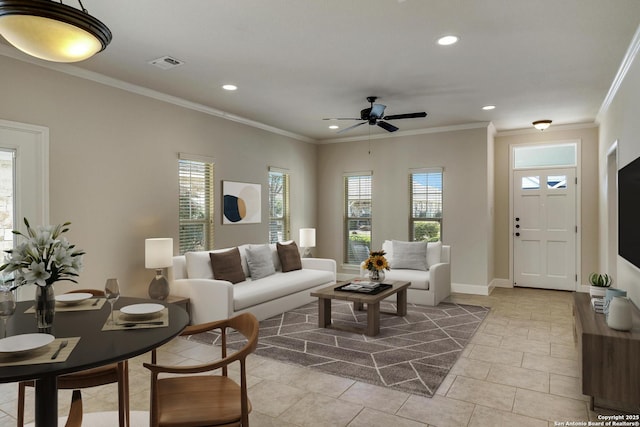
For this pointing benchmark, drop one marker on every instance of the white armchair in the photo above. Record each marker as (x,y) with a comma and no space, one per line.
(428,287)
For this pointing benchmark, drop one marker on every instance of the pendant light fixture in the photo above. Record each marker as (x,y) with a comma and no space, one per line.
(52,31)
(541,124)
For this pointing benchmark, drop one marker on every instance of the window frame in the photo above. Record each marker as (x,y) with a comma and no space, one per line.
(413,218)
(347,253)
(285,218)
(208,205)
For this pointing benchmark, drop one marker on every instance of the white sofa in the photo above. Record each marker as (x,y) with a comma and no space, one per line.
(430,286)
(212,299)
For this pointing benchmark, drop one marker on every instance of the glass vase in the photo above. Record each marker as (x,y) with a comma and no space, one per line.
(45,306)
(376,275)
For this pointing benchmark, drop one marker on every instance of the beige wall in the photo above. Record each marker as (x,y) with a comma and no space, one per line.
(464,156)
(588,138)
(113,166)
(620,123)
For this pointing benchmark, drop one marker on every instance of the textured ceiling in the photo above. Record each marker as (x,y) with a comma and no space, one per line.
(298,61)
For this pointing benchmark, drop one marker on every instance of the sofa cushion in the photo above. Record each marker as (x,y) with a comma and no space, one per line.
(227,265)
(289,256)
(419,279)
(252,292)
(260,261)
(410,255)
(198,265)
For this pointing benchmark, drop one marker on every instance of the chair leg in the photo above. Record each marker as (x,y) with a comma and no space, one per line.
(20,415)
(75,412)
(123,394)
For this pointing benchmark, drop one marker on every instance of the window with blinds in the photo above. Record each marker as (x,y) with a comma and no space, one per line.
(425,223)
(196,203)
(278,205)
(357,214)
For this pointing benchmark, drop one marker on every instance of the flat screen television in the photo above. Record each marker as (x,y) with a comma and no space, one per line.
(629,212)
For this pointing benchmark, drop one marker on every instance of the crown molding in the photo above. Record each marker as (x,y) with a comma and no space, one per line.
(555,128)
(149,93)
(402,133)
(627,61)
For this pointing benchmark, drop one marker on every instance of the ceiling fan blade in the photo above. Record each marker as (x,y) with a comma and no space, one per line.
(351,127)
(341,118)
(387,126)
(406,116)
(377,110)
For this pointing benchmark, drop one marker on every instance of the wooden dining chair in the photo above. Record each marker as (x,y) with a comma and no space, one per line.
(102,375)
(75,411)
(205,400)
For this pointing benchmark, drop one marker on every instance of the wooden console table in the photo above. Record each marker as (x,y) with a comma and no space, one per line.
(610,359)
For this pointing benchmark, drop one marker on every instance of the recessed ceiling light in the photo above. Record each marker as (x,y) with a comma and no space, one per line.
(334,127)
(229,87)
(489,107)
(447,40)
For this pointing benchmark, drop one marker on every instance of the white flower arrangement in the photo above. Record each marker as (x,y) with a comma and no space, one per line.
(44,257)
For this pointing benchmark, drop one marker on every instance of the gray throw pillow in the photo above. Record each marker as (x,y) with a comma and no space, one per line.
(410,255)
(260,261)
(289,257)
(227,266)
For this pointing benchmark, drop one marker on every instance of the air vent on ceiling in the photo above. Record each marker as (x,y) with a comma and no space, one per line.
(166,62)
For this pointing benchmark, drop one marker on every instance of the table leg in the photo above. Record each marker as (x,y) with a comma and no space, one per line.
(401,303)
(46,402)
(324,312)
(373,319)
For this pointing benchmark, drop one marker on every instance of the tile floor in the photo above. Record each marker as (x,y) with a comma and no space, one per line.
(520,369)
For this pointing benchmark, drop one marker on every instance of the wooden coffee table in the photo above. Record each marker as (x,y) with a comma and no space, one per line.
(325,295)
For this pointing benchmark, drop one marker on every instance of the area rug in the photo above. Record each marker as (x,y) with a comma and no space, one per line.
(413,353)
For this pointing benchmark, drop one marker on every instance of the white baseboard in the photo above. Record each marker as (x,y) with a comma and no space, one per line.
(464,288)
(501,283)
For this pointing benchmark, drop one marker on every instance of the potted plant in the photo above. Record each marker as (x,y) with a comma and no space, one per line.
(599,284)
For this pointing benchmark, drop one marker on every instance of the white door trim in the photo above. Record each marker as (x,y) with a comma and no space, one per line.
(578,167)
(36,168)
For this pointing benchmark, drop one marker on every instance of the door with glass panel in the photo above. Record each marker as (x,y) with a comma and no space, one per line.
(544,228)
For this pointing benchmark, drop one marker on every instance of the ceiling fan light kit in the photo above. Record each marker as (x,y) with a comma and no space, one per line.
(374,115)
(52,31)
(541,124)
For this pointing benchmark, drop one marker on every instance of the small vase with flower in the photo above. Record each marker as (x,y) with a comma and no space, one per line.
(376,264)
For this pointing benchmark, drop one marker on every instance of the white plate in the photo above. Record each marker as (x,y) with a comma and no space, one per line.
(74,298)
(142,309)
(24,342)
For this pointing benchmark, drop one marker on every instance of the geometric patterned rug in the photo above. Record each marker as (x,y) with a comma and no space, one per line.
(413,353)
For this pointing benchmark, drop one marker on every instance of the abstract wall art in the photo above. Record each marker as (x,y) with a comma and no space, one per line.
(241,203)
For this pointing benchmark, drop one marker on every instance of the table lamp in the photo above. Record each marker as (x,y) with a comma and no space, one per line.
(307,241)
(158,254)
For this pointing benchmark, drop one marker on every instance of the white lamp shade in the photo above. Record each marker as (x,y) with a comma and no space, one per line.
(308,237)
(158,253)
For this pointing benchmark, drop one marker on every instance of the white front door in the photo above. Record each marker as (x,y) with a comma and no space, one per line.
(544,228)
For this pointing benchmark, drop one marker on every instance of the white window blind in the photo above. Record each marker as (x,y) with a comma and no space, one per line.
(357,217)
(425,222)
(279,215)
(196,203)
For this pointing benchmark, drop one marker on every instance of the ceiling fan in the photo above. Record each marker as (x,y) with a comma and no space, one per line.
(374,116)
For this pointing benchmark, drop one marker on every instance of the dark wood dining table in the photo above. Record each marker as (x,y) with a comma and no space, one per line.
(95,348)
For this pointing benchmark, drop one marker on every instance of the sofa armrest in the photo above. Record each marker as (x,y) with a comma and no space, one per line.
(209,299)
(326,264)
(440,281)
